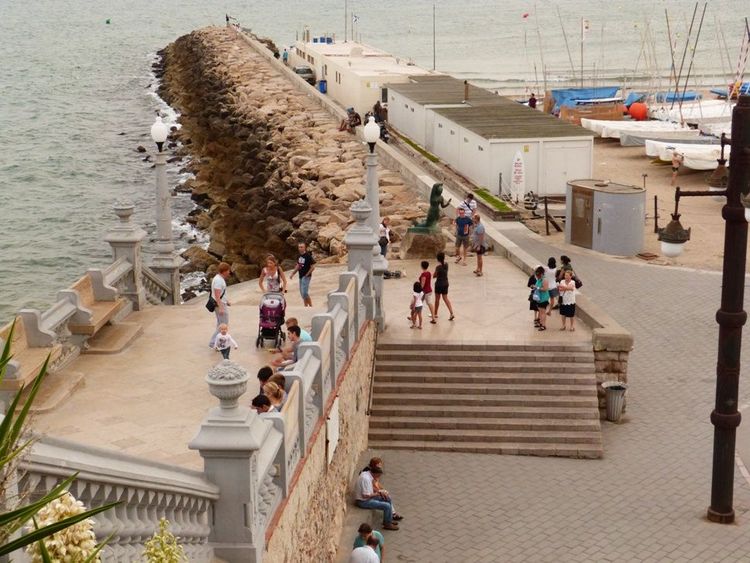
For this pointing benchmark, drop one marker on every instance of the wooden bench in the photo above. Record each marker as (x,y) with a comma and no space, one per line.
(92,313)
(26,360)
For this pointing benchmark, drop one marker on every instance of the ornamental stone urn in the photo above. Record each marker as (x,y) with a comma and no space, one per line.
(227,382)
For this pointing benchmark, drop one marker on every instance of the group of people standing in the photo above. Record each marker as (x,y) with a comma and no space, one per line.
(470,234)
(554,288)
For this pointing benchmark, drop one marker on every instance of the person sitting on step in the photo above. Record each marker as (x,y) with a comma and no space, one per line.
(378,462)
(365,496)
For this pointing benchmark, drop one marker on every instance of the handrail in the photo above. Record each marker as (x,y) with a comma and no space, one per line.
(117,270)
(149,274)
(368,411)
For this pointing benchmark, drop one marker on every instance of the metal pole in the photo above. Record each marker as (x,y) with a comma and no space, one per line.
(546,216)
(656,214)
(346,21)
(581,52)
(434,40)
(731,317)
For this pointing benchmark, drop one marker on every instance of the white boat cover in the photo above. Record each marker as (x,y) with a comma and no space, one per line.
(612,129)
(697,157)
(692,112)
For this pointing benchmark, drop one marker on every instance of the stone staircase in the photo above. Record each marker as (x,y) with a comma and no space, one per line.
(502,399)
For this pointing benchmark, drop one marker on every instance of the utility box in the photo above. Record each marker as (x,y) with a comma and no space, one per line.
(605,216)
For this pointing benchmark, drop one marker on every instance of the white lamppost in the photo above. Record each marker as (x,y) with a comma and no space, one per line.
(379,263)
(164,264)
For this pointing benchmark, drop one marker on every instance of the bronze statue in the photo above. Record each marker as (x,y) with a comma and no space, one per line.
(430,224)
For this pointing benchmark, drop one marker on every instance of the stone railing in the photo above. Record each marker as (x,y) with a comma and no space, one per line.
(146,490)
(157,292)
(257,459)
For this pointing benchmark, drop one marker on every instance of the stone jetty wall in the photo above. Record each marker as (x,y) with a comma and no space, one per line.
(271,167)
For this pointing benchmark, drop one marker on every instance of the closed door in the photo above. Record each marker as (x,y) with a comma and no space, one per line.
(582,218)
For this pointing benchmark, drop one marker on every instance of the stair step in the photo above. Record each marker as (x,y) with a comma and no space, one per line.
(589,451)
(485,435)
(113,338)
(484,378)
(486,400)
(466,347)
(458,367)
(418,389)
(397,408)
(434,356)
(456,422)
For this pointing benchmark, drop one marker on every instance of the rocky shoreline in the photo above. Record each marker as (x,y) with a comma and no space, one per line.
(271,168)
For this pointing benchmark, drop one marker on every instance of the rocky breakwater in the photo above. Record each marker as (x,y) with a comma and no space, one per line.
(271,168)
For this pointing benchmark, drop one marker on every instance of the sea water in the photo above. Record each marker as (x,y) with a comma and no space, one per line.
(77,94)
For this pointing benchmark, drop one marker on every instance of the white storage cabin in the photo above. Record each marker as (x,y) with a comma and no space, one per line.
(481,136)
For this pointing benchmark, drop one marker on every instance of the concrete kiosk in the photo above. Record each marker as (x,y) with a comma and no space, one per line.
(605,216)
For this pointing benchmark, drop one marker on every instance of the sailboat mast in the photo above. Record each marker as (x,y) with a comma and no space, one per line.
(567,47)
(433,36)
(684,54)
(346,21)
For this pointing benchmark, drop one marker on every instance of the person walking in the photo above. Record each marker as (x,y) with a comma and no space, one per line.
(384,235)
(531,284)
(541,296)
(219,293)
(224,341)
(441,286)
(567,289)
(304,268)
(550,274)
(677,160)
(272,278)
(416,305)
(463,230)
(425,280)
(532,101)
(479,243)
(285,56)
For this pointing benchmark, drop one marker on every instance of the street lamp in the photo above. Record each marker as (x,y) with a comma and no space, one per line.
(379,263)
(731,316)
(165,264)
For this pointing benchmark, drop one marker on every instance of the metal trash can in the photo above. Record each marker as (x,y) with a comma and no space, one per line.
(615,391)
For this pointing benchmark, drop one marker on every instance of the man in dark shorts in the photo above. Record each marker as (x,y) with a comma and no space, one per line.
(479,243)
(463,230)
(305,266)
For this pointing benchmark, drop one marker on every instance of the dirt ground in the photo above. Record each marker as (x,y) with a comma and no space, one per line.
(626,165)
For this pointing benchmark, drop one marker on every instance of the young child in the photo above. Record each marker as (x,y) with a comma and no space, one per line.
(416,305)
(224,341)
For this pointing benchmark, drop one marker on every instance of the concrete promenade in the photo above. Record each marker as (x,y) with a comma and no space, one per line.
(647,499)
(150,399)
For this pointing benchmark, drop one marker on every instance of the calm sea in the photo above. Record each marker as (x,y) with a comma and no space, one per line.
(76,92)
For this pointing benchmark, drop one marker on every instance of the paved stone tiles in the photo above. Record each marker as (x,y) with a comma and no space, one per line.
(646,500)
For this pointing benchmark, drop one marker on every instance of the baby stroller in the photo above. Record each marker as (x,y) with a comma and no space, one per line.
(272,309)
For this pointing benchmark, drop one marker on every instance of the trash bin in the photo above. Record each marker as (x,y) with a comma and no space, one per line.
(615,391)
(323,86)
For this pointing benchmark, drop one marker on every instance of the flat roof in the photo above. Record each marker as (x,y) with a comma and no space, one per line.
(484,113)
(362,59)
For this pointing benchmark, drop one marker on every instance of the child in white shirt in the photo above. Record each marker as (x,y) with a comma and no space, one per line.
(416,305)
(224,341)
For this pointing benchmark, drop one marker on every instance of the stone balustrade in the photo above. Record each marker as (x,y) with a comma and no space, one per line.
(146,490)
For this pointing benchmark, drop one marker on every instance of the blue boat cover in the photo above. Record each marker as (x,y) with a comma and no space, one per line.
(744,89)
(569,96)
(634,97)
(672,97)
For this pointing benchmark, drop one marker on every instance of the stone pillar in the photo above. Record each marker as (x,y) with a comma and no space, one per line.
(359,241)
(229,440)
(379,262)
(165,264)
(125,238)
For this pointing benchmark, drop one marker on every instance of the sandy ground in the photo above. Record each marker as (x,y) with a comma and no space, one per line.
(626,165)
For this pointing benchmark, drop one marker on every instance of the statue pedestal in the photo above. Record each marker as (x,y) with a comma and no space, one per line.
(422,243)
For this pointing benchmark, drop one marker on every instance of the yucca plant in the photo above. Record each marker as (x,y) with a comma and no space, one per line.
(13,443)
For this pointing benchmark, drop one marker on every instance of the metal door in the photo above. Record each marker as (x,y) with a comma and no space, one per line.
(582,217)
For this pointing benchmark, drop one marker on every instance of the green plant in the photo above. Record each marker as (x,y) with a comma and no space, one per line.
(163,546)
(494,202)
(428,155)
(13,442)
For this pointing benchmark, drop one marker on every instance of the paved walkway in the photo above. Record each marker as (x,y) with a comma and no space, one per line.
(646,500)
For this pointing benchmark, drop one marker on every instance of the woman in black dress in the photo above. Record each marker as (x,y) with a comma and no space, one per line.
(441,285)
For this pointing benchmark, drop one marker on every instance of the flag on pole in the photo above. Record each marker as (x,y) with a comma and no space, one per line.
(355,18)
(585,26)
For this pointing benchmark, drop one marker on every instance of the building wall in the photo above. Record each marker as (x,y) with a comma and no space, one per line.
(564,161)
(474,158)
(503,153)
(446,137)
(312,519)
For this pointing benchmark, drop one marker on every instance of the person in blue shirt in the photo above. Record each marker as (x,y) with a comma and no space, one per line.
(463,231)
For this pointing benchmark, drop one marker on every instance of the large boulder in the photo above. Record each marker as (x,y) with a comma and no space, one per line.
(421,245)
(197,260)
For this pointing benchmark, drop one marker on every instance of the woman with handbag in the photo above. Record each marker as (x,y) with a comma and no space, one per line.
(384,235)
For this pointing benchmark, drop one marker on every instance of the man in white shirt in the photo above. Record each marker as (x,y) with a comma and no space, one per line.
(366,553)
(219,293)
(469,205)
(365,496)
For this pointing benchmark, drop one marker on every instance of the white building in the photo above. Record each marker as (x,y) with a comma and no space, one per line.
(355,74)
(480,134)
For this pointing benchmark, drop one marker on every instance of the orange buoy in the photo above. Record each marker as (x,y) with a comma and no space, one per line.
(639,111)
